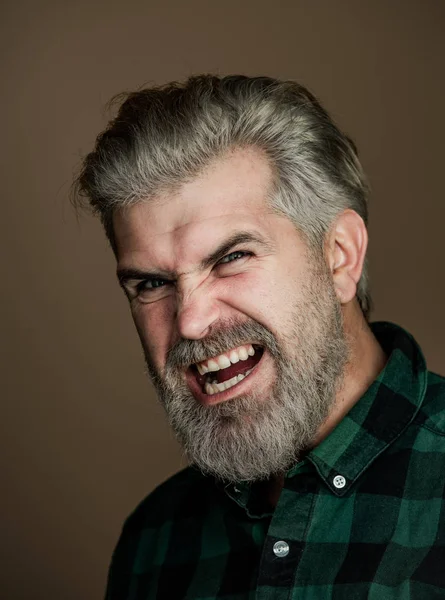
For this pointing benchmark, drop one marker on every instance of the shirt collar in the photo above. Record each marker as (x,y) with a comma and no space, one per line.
(387,407)
(379,417)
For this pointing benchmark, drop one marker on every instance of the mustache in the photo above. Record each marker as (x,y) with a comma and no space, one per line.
(228,335)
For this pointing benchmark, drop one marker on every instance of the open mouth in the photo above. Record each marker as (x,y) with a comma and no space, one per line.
(226,370)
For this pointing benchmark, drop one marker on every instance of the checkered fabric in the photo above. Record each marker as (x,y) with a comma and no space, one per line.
(362,516)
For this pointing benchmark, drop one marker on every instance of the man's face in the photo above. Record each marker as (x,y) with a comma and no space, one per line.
(240,326)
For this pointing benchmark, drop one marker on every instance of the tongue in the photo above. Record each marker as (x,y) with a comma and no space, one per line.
(240,367)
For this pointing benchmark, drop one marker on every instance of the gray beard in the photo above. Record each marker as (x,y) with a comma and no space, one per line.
(251,437)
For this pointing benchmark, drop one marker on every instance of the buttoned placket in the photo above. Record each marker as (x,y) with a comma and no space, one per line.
(287,533)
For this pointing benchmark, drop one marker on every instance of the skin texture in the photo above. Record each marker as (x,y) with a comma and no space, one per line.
(171,236)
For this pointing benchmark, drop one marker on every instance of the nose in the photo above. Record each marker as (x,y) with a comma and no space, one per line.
(196,312)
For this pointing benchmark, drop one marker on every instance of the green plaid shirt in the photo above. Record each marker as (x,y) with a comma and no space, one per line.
(362,516)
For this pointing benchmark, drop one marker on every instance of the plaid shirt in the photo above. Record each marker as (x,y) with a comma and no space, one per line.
(362,516)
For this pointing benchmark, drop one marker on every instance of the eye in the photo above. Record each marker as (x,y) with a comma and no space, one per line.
(151,290)
(233,256)
(150,284)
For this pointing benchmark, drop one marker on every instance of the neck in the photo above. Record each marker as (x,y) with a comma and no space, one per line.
(366,361)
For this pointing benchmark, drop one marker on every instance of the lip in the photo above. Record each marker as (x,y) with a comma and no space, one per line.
(242,387)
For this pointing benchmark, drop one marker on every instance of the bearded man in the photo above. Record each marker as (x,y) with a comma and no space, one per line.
(237,213)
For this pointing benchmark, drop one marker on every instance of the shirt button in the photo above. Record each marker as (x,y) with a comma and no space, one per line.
(281,549)
(339,481)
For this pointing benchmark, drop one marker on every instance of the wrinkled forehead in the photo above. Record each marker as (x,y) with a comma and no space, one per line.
(231,193)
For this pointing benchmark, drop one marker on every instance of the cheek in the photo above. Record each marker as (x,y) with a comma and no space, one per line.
(256,295)
(153,324)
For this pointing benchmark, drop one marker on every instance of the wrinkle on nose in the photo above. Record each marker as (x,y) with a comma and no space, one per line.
(196,312)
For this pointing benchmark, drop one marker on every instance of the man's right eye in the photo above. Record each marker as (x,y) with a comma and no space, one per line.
(150,290)
(150,284)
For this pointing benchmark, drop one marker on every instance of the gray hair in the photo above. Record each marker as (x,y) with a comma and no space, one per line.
(164,136)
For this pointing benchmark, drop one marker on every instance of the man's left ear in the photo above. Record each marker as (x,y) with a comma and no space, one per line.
(346,249)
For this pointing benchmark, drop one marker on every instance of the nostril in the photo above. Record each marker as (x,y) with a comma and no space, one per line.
(194,319)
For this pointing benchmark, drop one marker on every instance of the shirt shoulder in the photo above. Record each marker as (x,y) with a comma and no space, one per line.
(432,413)
(177,504)
(179,496)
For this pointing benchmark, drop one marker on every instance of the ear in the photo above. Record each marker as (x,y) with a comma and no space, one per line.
(346,249)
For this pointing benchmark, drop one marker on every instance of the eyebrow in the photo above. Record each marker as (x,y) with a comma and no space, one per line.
(241,237)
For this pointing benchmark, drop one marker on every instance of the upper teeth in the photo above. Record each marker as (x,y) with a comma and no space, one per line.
(225,360)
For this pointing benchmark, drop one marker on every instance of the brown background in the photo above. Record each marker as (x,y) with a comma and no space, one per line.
(82,437)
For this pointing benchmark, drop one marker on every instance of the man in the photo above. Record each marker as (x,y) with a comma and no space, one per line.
(237,212)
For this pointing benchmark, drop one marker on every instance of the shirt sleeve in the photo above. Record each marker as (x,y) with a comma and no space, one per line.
(121,567)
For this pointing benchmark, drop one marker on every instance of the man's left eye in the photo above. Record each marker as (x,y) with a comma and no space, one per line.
(233,256)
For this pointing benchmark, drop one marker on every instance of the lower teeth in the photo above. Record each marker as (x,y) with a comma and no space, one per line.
(216,388)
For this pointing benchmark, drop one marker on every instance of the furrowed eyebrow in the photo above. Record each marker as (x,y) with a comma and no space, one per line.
(241,237)
(126,275)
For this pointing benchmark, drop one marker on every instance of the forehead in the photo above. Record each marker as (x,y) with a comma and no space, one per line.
(230,195)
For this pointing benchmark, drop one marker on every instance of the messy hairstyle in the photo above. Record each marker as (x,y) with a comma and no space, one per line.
(164,136)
